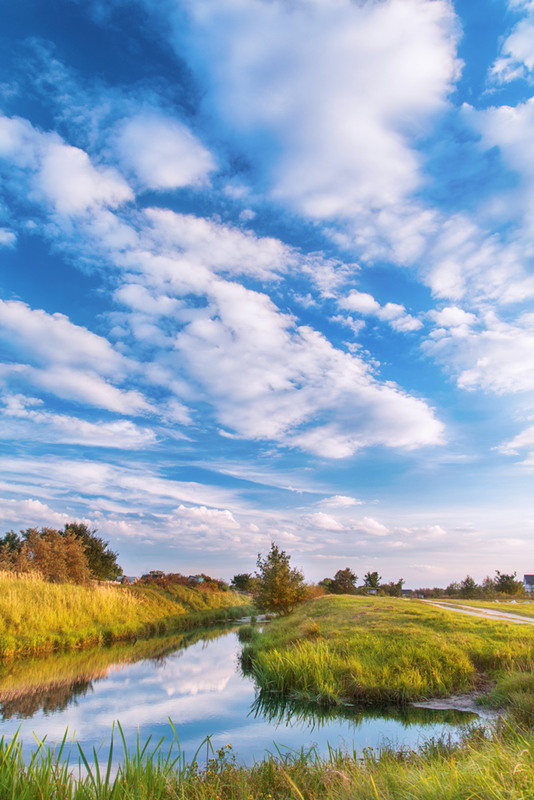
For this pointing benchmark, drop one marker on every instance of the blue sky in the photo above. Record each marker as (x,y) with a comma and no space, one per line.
(266,274)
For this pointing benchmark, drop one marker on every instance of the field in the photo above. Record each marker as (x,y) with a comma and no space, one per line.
(37,616)
(331,650)
(383,650)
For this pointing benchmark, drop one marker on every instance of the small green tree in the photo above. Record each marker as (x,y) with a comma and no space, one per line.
(344,582)
(243,582)
(372,580)
(468,587)
(507,584)
(102,560)
(393,588)
(280,587)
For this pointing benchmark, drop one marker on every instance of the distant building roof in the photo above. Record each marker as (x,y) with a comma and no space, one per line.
(528,580)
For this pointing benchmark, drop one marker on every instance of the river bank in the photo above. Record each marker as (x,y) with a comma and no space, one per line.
(484,763)
(37,617)
(340,649)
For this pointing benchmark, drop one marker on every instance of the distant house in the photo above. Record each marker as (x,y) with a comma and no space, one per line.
(406,592)
(528,583)
(129,579)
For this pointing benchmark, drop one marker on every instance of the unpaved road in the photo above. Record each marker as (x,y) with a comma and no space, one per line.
(486,613)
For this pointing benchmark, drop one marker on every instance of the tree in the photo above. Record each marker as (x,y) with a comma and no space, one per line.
(507,583)
(58,557)
(344,582)
(280,588)
(372,580)
(243,582)
(102,561)
(468,587)
(393,588)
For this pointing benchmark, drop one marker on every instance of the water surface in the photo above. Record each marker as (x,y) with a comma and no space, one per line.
(195,681)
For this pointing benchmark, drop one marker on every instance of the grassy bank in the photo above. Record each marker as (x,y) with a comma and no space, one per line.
(481,769)
(37,617)
(383,650)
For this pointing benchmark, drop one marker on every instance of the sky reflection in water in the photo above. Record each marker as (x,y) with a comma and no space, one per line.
(200,688)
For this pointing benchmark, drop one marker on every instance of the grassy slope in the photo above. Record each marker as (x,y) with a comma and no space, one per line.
(36,616)
(376,650)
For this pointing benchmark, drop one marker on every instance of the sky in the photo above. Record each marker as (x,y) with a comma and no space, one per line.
(266,274)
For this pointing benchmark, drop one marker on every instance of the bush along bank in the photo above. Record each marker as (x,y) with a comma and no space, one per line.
(341,649)
(37,617)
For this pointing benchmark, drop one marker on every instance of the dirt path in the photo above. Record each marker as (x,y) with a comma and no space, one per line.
(492,614)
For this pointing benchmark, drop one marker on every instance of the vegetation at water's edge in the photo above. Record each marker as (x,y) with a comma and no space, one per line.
(37,616)
(382,650)
(494,768)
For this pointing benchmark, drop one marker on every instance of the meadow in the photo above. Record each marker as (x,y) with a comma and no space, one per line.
(37,616)
(333,649)
(339,649)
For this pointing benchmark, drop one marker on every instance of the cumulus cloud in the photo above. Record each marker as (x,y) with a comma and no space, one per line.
(324,522)
(340,125)
(516,58)
(65,359)
(392,313)
(62,175)
(497,356)
(268,377)
(162,153)
(30,513)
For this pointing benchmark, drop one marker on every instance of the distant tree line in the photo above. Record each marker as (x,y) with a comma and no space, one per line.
(345,582)
(72,555)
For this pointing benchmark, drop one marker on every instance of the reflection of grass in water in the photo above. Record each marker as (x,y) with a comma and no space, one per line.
(281,710)
(50,684)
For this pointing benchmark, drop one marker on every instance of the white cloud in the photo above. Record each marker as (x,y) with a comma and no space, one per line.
(340,123)
(523,441)
(54,339)
(69,180)
(324,522)
(31,513)
(392,313)
(516,58)
(498,357)
(59,173)
(340,501)
(266,378)
(162,152)
(68,360)
(95,484)
(196,241)
(24,419)
(371,527)
(7,238)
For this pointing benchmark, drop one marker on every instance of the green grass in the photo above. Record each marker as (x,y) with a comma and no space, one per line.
(382,650)
(498,768)
(38,617)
